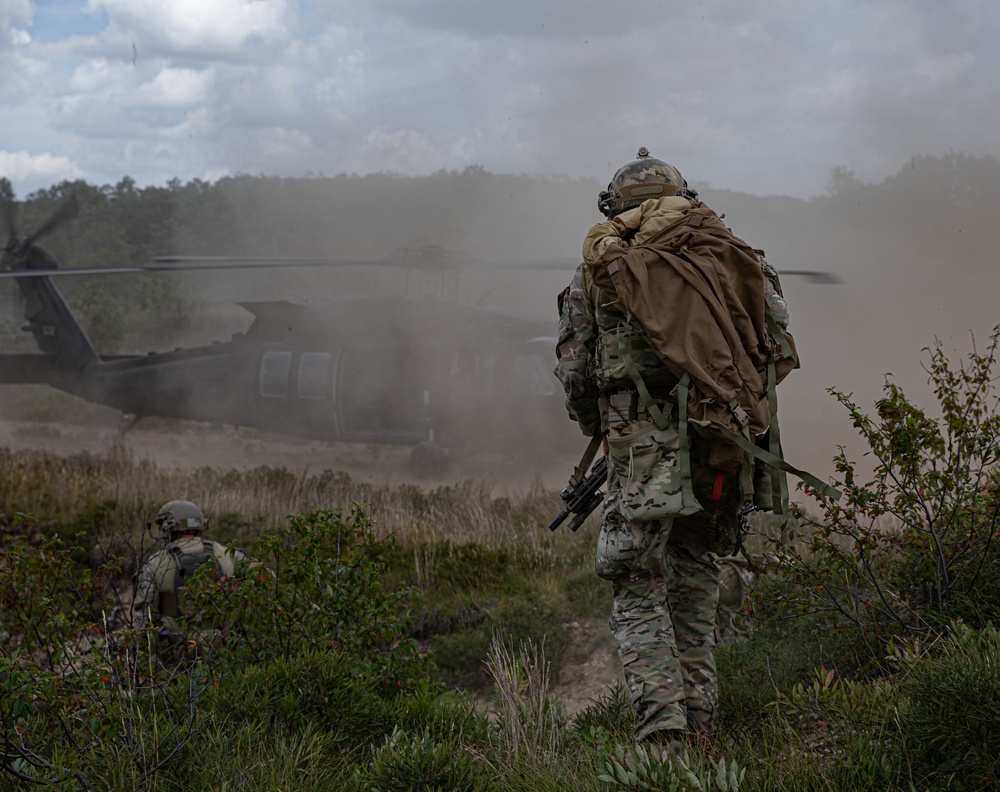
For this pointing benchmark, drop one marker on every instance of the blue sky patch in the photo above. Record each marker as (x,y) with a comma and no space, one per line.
(55,20)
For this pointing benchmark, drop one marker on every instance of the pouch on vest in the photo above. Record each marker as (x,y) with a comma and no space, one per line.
(647,462)
(625,347)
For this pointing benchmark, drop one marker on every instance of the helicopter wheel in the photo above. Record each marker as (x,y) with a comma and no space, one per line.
(428,459)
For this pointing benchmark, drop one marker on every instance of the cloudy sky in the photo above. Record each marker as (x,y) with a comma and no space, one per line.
(765,97)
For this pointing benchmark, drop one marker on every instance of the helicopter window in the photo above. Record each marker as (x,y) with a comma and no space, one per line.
(314,374)
(529,375)
(275,368)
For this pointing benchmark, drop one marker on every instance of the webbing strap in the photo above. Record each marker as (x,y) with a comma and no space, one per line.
(684,453)
(779,481)
(776,461)
(588,456)
(168,599)
(647,400)
(777,334)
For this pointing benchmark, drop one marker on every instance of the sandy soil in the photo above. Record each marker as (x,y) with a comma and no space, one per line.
(183,444)
(590,666)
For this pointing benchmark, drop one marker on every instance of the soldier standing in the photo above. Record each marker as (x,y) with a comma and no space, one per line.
(673,501)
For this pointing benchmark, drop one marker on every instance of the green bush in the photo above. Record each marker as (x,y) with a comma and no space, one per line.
(311,638)
(898,554)
(315,586)
(407,761)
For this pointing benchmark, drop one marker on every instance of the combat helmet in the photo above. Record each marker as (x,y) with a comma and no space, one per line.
(178,517)
(643,178)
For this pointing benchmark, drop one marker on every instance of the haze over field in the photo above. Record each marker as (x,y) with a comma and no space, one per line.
(914,255)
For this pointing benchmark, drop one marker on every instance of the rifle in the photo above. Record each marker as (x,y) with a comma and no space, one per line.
(582,495)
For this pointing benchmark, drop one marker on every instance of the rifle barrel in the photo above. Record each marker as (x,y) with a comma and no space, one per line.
(559,518)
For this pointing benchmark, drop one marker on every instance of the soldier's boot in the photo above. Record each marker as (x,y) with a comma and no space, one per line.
(699,721)
(669,743)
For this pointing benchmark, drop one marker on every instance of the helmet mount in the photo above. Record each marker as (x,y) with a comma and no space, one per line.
(180,517)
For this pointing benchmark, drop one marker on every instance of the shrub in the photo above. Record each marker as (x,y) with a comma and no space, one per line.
(899,552)
(318,638)
(315,586)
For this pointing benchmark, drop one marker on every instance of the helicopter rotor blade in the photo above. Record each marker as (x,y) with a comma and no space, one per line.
(235,262)
(819,277)
(8,213)
(181,266)
(68,208)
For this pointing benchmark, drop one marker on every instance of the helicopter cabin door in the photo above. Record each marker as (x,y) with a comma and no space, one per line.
(383,395)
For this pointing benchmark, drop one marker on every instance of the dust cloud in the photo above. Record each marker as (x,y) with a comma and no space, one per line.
(913,254)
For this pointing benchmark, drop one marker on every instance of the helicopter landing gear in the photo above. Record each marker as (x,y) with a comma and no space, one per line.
(428,459)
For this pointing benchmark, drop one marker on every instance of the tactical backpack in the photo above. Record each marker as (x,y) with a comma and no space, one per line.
(726,346)
(187,563)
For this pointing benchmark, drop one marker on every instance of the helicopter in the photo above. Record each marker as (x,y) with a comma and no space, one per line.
(433,375)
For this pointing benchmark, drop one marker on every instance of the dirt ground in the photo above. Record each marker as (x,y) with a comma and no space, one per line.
(590,665)
(183,444)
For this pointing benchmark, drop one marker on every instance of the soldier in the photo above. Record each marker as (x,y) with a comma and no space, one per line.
(659,538)
(181,525)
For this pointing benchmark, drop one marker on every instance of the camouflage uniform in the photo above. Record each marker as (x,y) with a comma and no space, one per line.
(161,576)
(663,572)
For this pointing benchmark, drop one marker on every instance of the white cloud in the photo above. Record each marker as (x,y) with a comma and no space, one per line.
(176,87)
(765,98)
(214,28)
(15,15)
(31,171)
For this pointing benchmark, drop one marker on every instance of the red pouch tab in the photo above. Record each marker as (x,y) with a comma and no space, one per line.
(720,477)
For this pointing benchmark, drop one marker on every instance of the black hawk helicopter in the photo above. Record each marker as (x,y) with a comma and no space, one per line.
(430,374)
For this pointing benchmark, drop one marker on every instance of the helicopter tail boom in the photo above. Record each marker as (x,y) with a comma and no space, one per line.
(49,319)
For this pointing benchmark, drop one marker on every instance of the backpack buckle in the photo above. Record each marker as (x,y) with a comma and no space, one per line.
(740,414)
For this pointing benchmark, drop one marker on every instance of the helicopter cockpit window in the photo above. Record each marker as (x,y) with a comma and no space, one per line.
(530,376)
(275,368)
(314,374)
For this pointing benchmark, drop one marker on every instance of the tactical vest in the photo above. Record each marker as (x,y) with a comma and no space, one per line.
(615,333)
(186,563)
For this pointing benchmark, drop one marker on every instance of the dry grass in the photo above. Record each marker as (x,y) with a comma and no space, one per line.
(115,491)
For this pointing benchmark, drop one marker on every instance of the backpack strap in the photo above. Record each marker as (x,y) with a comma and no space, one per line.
(688,500)
(776,461)
(779,480)
(168,599)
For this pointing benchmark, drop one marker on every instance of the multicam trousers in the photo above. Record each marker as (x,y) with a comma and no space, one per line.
(665,582)
(666,595)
